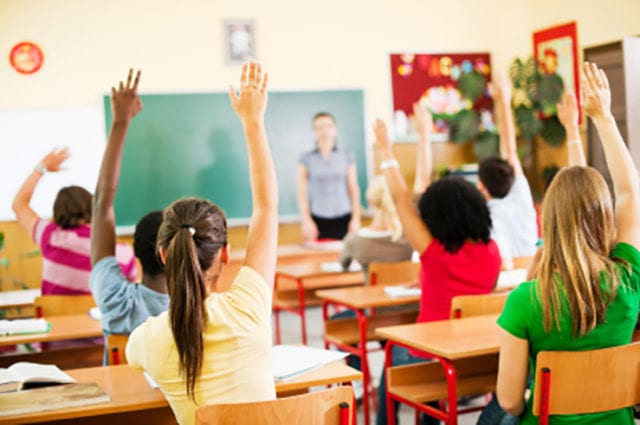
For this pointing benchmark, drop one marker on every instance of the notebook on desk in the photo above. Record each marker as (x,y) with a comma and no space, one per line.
(24,327)
(291,361)
(51,398)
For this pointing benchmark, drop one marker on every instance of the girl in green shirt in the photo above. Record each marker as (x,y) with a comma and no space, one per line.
(586,294)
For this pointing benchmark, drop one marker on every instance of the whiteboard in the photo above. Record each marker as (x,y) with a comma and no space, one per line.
(27,136)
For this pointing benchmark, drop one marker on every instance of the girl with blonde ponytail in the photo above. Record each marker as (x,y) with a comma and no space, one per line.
(215,347)
(586,294)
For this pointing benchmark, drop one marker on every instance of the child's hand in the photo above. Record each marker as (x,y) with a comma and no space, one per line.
(251,102)
(422,119)
(382,137)
(53,160)
(500,89)
(125,102)
(568,111)
(597,95)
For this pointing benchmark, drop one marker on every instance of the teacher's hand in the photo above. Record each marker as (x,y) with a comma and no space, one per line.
(354,225)
(309,230)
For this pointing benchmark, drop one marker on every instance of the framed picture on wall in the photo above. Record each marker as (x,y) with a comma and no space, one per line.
(239,38)
(555,50)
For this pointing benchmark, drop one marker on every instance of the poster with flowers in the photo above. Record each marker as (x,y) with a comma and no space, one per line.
(452,86)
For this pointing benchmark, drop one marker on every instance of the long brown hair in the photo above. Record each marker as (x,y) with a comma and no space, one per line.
(579,232)
(192,233)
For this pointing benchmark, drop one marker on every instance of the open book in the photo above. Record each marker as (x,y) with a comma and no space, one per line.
(336,267)
(23,375)
(290,361)
(397,291)
(51,398)
(24,326)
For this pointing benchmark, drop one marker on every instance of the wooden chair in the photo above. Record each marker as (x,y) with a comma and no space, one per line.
(477,305)
(329,407)
(582,382)
(116,349)
(393,273)
(60,305)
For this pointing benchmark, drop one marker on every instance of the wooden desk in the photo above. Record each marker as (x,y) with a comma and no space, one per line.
(448,341)
(351,334)
(18,300)
(295,285)
(134,401)
(62,328)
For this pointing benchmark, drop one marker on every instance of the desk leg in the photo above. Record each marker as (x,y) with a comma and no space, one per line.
(452,390)
(388,362)
(325,319)
(302,310)
(364,363)
(276,311)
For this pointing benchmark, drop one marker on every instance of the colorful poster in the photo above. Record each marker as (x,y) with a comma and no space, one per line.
(433,79)
(556,52)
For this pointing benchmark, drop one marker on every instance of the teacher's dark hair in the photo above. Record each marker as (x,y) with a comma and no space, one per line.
(192,233)
(72,207)
(454,211)
(323,115)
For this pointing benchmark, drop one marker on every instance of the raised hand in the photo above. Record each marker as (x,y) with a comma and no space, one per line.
(54,159)
(422,119)
(382,137)
(500,88)
(568,111)
(125,102)
(597,95)
(250,103)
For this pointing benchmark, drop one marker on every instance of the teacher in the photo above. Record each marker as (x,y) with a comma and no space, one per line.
(328,191)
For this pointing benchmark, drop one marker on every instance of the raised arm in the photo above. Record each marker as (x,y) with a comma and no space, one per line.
(250,105)
(26,216)
(568,116)
(626,184)
(500,90)
(423,123)
(125,104)
(416,231)
(354,196)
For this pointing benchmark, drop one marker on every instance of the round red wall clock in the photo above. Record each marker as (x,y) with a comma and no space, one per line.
(26,57)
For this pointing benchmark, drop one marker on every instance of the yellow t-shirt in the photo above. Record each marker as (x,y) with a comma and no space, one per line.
(237,350)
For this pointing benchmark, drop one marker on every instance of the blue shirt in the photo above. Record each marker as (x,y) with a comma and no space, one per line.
(123,305)
(328,189)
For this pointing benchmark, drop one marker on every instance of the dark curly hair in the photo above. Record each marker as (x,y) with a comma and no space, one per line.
(72,207)
(497,175)
(454,211)
(144,243)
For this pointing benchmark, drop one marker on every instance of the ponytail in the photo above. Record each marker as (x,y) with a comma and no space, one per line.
(192,233)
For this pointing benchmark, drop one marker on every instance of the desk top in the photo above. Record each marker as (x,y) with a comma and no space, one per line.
(298,252)
(311,268)
(451,339)
(62,328)
(365,297)
(130,391)
(15,299)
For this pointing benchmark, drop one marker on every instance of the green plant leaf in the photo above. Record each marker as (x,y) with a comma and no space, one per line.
(487,145)
(31,254)
(1,241)
(521,73)
(549,92)
(528,123)
(552,131)
(4,262)
(463,127)
(472,85)
(548,173)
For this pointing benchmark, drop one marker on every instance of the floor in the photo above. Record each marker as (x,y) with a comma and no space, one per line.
(291,335)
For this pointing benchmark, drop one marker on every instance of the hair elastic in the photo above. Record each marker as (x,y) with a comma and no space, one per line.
(192,230)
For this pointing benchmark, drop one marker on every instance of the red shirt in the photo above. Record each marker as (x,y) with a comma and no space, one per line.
(474,269)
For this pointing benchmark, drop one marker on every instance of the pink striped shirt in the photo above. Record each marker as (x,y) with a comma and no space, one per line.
(66,261)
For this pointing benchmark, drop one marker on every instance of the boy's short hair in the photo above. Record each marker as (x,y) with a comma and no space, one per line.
(72,207)
(497,175)
(144,243)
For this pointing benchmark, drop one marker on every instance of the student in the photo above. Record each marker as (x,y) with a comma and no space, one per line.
(123,305)
(215,347)
(578,305)
(64,242)
(451,230)
(328,191)
(382,240)
(503,184)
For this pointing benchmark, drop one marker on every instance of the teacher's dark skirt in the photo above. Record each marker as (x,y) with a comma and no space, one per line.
(332,228)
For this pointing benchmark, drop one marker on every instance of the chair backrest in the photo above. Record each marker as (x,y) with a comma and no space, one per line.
(577,382)
(328,407)
(60,305)
(477,305)
(116,345)
(393,273)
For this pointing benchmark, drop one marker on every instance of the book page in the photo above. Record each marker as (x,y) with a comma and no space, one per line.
(34,372)
(23,326)
(289,361)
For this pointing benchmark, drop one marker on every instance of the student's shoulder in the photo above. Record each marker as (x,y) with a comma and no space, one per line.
(106,273)
(155,328)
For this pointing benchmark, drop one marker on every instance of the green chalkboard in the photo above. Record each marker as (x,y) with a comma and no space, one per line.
(193,145)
